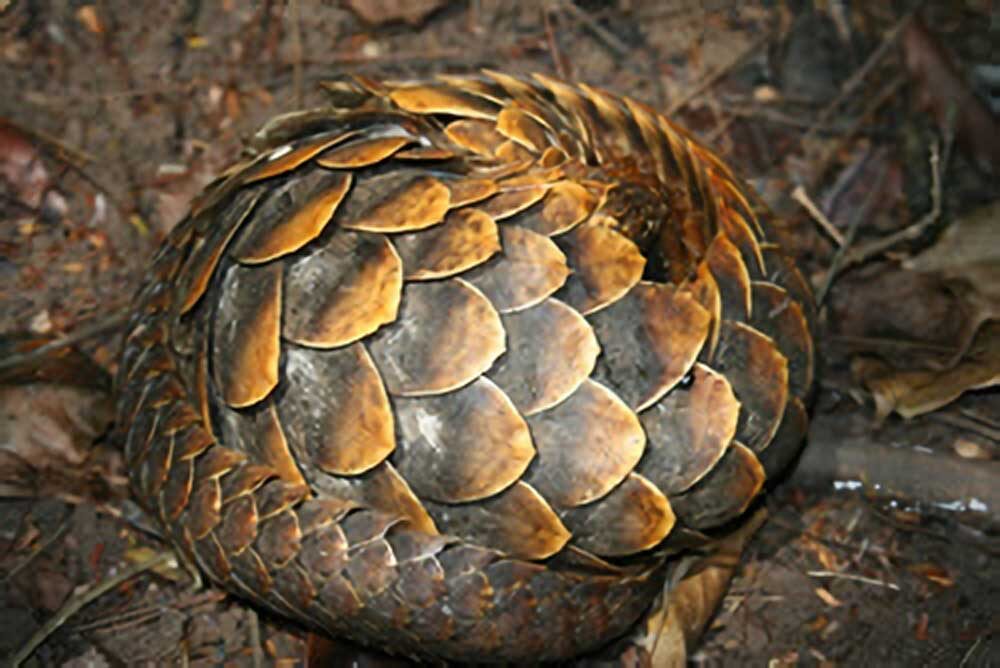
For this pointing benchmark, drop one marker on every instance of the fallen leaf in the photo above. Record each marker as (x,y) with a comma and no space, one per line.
(941,90)
(966,258)
(923,622)
(828,598)
(21,166)
(52,410)
(90,20)
(378,12)
(914,392)
(932,572)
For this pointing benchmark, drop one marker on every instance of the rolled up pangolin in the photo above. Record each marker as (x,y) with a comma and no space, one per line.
(458,368)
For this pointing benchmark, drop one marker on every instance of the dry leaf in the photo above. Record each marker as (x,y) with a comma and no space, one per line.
(378,12)
(967,258)
(969,449)
(90,20)
(21,167)
(828,598)
(942,91)
(912,393)
(51,412)
(932,572)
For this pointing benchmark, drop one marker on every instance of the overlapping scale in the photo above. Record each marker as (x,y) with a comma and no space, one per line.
(461,446)
(470,190)
(466,238)
(688,431)
(381,488)
(739,232)
(362,152)
(787,441)
(478,136)
(782,271)
(551,350)
(702,286)
(246,334)
(435,99)
(781,317)
(342,290)
(724,493)
(446,334)
(758,372)
(262,437)
(290,216)
(288,157)
(566,205)
(397,201)
(605,266)
(517,521)
(515,197)
(529,268)
(334,410)
(649,339)
(731,277)
(203,260)
(635,516)
(586,446)
(518,126)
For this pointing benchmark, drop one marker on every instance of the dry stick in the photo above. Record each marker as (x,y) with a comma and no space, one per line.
(550,36)
(856,79)
(52,538)
(715,75)
(855,578)
(258,655)
(859,215)
(75,603)
(619,48)
(826,158)
(802,197)
(962,422)
(910,232)
(296,52)
(105,324)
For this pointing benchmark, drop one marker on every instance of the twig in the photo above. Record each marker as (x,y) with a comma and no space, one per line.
(618,47)
(75,603)
(886,342)
(802,197)
(258,655)
(859,215)
(550,36)
(911,232)
(969,424)
(714,76)
(854,578)
(296,51)
(856,79)
(827,156)
(103,325)
(49,540)
(52,145)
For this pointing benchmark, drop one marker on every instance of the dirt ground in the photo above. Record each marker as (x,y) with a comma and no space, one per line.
(882,547)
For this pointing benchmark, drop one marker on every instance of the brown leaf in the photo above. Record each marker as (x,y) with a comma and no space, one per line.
(911,393)
(378,12)
(51,412)
(21,166)
(828,598)
(87,14)
(942,91)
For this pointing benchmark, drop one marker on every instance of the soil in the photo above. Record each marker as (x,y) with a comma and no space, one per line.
(117,113)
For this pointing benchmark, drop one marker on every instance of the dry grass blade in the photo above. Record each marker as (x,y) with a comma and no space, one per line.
(75,603)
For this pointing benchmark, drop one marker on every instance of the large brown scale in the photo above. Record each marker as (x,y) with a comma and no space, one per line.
(456,368)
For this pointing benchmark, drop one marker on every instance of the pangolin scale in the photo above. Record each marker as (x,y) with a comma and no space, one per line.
(456,367)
